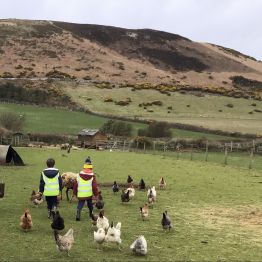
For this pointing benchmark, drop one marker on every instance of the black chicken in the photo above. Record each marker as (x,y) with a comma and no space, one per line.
(58,221)
(166,221)
(115,187)
(125,196)
(129,180)
(142,184)
(100,202)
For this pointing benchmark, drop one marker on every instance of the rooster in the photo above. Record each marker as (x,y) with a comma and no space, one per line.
(26,222)
(58,221)
(139,246)
(162,183)
(144,211)
(113,234)
(99,202)
(102,221)
(115,187)
(64,243)
(36,198)
(142,184)
(125,196)
(166,221)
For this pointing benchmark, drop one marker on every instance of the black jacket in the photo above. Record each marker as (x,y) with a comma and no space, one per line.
(50,173)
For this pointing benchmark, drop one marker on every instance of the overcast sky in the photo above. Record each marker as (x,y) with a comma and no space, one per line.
(231,23)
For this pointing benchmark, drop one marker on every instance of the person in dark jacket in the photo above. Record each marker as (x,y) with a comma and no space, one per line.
(85,187)
(50,185)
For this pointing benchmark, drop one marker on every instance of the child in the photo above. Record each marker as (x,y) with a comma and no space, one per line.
(50,185)
(84,188)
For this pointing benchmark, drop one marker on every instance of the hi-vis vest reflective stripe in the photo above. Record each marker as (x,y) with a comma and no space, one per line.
(84,188)
(51,185)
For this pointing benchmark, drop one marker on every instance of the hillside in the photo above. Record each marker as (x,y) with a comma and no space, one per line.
(117,55)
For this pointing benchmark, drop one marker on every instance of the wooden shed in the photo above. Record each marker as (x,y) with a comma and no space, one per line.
(91,138)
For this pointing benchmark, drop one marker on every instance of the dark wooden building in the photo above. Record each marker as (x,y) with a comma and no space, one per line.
(91,138)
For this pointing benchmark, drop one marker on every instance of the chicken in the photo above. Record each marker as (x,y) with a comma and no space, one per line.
(144,211)
(99,202)
(36,198)
(162,183)
(129,180)
(94,219)
(26,222)
(132,191)
(115,187)
(99,236)
(64,243)
(166,221)
(142,184)
(125,196)
(152,191)
(113,234)
(139,246)
(102,221)
(150,197)
(58,221)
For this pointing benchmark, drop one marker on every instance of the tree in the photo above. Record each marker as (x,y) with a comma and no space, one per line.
(12,121)
(156,129)
(117,128)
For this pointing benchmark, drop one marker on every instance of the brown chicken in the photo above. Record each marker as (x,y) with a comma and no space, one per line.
(26,222)
(144,211)
(65,242)
(36,198)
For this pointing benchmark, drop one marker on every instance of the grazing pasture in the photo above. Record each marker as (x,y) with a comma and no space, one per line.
(216,211)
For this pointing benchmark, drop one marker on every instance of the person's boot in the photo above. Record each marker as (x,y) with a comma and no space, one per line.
(78,214)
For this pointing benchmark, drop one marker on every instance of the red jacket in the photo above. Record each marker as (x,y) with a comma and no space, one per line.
(86,176)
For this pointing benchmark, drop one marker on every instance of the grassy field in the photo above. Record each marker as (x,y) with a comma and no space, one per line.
(216,211)
(61,121)
(209,111)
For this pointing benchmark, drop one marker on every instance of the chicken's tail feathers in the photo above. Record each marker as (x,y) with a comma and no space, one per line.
(118,225)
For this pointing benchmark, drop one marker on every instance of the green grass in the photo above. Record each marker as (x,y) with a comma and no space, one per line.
(60,121)
(186,108)
(216,210)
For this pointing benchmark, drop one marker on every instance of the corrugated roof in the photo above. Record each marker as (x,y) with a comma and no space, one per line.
(88,132)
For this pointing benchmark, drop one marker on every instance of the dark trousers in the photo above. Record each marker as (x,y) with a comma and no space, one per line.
(81,204)
(51,202)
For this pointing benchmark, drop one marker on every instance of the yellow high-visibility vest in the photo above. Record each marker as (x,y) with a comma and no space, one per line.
(51,185)
(84,188)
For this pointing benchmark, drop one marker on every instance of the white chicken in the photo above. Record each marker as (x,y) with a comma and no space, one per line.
(132,192)
(65,242)
(152,191)
(113,234)
(99,236)
(102,221)
(139,246)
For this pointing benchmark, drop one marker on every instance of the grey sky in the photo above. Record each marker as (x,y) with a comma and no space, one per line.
(231,23)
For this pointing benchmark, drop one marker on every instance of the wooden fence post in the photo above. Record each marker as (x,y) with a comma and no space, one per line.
(251,160)
(154,146)
(124,147)
(225,159)
(144,147)
(206,151)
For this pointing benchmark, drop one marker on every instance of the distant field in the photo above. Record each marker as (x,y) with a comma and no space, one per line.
(61,121)
(216,211)
(209,111)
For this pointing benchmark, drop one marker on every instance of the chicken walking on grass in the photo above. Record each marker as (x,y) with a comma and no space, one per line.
(139,246)
(144,211)
(113,234)
(58,221)
(26,222)
(65,242)
(36,198)
(166,221)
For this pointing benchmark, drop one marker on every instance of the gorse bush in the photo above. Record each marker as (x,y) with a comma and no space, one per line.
(156,129)
(117,128)
(12,121)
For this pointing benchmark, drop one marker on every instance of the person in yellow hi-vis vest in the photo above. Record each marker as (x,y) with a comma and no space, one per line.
(85,187)
(50,185)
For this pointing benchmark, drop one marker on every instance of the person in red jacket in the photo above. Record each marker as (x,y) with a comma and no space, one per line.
(85,187)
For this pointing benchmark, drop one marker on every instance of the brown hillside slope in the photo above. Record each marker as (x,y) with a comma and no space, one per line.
(102,53)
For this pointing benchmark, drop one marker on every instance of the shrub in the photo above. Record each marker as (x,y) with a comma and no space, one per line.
(117,128)
(230,105)
(156,129)
(12,121)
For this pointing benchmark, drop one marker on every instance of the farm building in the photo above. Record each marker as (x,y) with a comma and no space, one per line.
(91,138)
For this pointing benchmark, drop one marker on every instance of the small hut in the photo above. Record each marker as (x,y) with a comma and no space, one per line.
(91,138)
(9,156)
